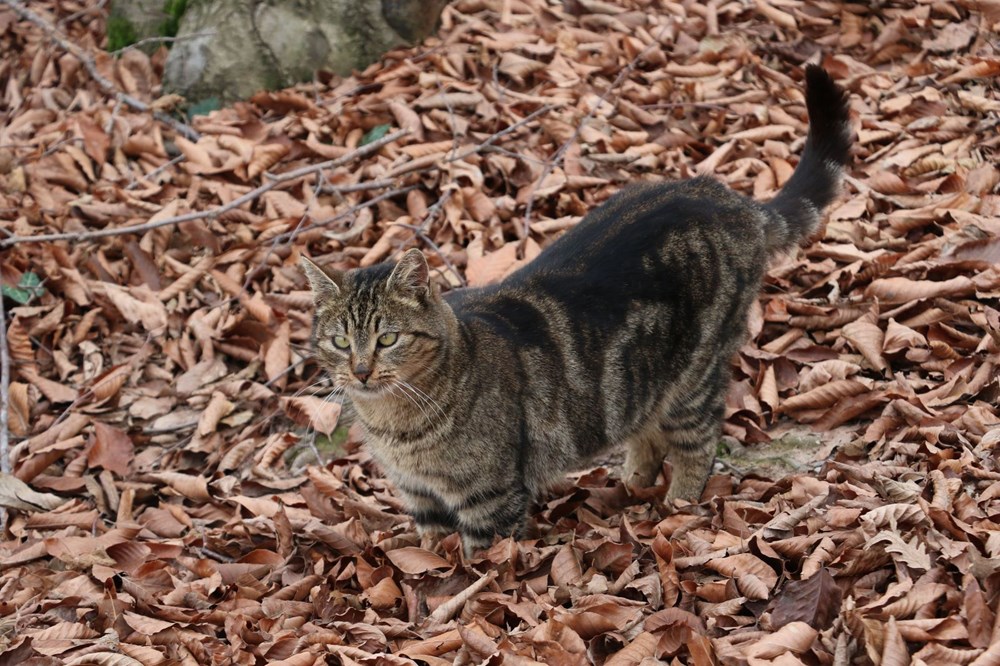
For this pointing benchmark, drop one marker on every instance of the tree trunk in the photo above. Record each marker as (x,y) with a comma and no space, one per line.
(231,49)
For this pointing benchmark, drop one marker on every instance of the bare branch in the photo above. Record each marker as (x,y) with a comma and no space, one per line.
(4,392)
(160,40)
(350,211)
(211,213)
(559,154)
(91,66)
(437,250)
(357,187)
(507,130)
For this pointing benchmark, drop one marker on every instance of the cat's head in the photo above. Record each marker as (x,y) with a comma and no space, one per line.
(376,327)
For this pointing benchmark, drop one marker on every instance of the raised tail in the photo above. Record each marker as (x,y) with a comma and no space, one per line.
(795,212)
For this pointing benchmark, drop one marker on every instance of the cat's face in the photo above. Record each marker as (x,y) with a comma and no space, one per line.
(378,329)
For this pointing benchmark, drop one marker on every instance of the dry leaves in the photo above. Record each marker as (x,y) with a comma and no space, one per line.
(166,505)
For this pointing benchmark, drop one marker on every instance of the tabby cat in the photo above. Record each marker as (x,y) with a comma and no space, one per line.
(621,331)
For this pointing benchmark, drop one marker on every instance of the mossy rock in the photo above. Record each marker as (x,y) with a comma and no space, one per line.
(232,49)
(131,21)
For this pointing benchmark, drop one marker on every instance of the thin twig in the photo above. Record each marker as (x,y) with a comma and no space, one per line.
(559,154)
(212,213)
(435,210)
(437,250)
(358,187)
(350,211)
(91,66)
(4,391)
(684,105)
(96,9)
(156,172)
(160,40)
(507,130)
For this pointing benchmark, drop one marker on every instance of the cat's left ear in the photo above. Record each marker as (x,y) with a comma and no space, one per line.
(323,285)
(412,275)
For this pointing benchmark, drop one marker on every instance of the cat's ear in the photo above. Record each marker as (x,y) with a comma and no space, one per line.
(412,275)
(324,286)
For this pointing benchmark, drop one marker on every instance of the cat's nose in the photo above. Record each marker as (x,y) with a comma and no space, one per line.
(362,372)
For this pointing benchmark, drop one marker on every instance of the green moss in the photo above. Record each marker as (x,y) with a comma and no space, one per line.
(121,33)
(174,10)
(334,444)
(204,107)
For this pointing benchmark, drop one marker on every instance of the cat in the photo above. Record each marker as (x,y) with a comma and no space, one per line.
(622,330)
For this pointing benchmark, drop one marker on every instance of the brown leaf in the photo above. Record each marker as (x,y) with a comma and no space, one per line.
(814,601)
(566,566)
(868,339)
(795,637)
(279,355)
(264,157)
(18,495)
(633,654)
(111,449)
(218,408)
(894,652)
(314,412)
(411,560)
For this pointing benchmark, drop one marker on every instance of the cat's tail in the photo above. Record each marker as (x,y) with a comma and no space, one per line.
(795,212)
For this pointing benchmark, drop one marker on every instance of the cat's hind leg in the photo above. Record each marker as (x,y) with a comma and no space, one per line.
(644,453)
(691,436)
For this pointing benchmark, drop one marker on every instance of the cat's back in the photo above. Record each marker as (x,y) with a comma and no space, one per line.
(642,219)
(679,245)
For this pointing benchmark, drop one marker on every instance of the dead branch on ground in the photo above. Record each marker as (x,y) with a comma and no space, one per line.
(252,195)
(91,66)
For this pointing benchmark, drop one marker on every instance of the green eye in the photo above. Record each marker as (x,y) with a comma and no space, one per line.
(387,339)
(340,342)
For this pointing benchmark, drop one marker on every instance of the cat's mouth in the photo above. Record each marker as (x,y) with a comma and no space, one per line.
(369,388)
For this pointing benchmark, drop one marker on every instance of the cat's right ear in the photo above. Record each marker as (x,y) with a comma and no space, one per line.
(323,285)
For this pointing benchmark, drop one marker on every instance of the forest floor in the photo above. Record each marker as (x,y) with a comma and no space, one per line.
(184,494)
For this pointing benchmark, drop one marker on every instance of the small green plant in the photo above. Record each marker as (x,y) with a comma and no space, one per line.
(174,9)
(374,134)
(121,33)
(29,288)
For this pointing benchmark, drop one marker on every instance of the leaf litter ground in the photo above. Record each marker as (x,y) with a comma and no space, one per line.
(167,506)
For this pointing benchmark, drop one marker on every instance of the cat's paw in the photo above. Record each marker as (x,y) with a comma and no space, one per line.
(636,479)
(474,544)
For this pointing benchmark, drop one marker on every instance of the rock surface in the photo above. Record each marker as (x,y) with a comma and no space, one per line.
(231,49)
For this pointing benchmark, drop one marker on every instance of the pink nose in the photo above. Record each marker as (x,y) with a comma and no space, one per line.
(362,372)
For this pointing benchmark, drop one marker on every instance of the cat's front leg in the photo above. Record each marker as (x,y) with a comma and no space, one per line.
(431,515)
(499,510)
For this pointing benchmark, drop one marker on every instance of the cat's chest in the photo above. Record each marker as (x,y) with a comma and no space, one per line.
(415,451)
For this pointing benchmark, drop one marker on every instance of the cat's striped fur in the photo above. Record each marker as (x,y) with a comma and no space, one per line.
(621,331)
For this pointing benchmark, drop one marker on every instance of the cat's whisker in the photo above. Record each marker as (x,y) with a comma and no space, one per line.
(428,400)
(413,398)
(394,385)
(337,392)
(323,380)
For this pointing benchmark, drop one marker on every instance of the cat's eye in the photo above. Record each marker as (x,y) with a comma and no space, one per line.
(387,339)
(340,342)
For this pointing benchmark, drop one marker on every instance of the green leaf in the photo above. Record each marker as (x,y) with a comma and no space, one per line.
(30,281)
(374,134)
(29,288)
(21,296)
